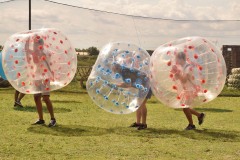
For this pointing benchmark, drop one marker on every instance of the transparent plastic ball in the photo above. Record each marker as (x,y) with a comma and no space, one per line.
(187,72)
(119,79)
(39,61)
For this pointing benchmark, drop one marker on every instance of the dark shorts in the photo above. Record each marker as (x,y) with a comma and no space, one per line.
(42,94)
(141,94)
(149,95)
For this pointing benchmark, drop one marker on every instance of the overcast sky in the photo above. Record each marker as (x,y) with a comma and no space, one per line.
(91,28)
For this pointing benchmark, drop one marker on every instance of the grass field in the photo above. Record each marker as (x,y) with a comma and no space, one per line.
(86,60)
(85,131)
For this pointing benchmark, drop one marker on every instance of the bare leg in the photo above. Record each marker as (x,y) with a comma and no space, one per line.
(188,114)
(21,95)
(49,105)
(144,114)
(194,112)
(38,102)
(138,115)
(16,95)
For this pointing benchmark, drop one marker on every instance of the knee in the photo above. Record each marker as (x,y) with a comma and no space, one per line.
(144,107)
(185,109)
(37,97)
(46,99)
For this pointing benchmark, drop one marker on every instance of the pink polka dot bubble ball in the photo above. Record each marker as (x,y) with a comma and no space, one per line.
(39,61)
(187,72)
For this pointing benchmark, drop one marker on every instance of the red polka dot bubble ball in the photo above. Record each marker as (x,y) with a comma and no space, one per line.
(187,72)
(39,61)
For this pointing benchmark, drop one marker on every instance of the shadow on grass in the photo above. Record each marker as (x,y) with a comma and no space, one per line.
(78,130)
(218,110)
(153,102)
(213,110)
(6,89)
(33,109)
(68,130)
(228,95)
(206,134)
(61,101)
(68,91)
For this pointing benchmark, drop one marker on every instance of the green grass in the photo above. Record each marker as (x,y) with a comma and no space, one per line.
(85,131)
(86,60)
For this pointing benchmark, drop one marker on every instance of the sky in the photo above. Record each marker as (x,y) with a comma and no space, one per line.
(87,28)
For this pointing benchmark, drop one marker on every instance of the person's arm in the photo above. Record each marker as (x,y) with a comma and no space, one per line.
(27,44)
(175,71)
(46,61)
(183,77)
(27,50)
(123,85)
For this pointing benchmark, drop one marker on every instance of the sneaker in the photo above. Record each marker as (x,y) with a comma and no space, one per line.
(52,123)
(201,118)
(142,126)
(39,122)
(190,127)
(135,124)
(19,104)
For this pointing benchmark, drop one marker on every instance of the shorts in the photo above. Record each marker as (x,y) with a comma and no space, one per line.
(41,87)
(187,98)
(149,95)
(42,94)
(142,94)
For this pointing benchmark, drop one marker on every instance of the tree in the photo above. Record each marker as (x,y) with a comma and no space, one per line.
(77,50)
(84,50)
(93,51)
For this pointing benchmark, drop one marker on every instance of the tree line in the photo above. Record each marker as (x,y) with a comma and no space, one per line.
(91,50)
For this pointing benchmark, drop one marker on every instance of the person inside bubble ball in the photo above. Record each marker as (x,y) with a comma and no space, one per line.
(189,91)
(42,75)
(131,77)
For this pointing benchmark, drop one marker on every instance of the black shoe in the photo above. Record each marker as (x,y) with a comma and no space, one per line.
(190,127)
(18,104)
(142,126)
(201,118)
(135,124)
(52,123)
(39,122)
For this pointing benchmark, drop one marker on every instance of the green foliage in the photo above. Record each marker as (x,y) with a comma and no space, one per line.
(93,51)
(86,60)
(80,50)
(85,131)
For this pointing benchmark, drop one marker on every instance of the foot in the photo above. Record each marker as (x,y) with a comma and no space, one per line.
(201,118)
(135,124)
(19,104)
(52,123)
(190,127)
(142,126)
(39,122)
